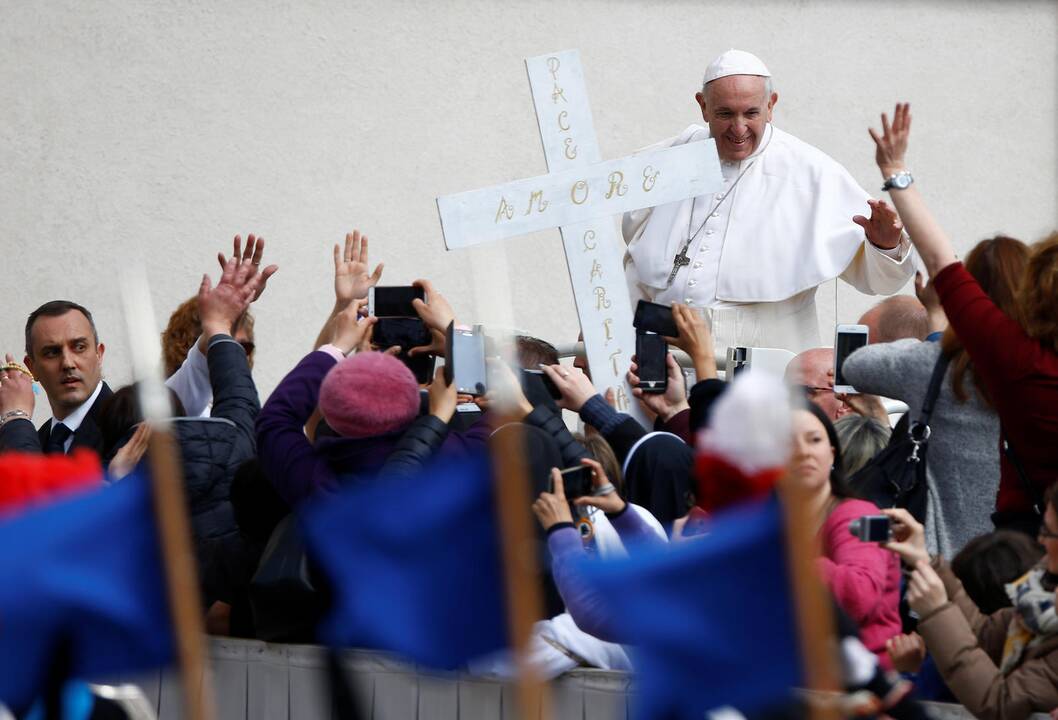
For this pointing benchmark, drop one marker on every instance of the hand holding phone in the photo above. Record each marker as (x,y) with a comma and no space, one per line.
(393,302)
(847,339)
(655,318)
(465,360)
(651,363)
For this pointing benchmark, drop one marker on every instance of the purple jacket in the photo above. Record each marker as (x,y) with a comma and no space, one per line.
(296,467)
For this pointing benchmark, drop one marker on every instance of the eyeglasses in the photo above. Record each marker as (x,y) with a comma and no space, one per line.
(248,347)
(811,391)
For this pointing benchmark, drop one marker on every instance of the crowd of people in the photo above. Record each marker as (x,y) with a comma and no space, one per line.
(963,600)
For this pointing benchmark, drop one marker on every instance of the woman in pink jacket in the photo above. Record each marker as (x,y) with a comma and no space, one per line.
(863,577)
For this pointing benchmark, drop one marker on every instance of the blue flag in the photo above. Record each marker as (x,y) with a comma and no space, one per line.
(84,572)
(711,621)
(414,564)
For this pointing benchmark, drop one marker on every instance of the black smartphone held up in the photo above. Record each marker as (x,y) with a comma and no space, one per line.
(532,379)
(403,332)
(465,360)
(847,339)
(655,318)
(871,528)
(394,301)
(651,366)
(576,482)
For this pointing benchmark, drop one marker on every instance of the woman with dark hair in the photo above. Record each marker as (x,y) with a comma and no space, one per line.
(962,469)
(863,577)
(1016,358)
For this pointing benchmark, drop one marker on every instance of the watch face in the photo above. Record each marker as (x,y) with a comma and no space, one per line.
(902,181)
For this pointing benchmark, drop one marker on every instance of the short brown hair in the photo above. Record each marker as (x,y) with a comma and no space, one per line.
(998,265)
(533,352)
(1039,307)
(183,329)
(603,454)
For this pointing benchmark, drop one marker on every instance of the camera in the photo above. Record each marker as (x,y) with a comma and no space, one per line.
(871,528)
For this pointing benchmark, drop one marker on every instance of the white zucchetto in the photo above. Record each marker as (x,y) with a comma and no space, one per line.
(735,62)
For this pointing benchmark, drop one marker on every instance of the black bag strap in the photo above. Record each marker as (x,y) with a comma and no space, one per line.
(1030,489)
(922,424)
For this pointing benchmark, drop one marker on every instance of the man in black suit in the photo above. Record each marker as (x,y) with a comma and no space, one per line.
(64,353)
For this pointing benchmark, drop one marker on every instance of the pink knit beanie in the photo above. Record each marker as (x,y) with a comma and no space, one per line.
(369,394)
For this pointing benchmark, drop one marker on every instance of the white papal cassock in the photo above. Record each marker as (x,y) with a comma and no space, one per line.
(780,226)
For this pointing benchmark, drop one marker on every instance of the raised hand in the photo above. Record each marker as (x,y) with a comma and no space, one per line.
(891,145)
(443,397)
(351,278)
(695,339)
(128,457)
(609,501)
(575,386)
(437,314)
(251,256)
(551,508)
(349,328)
(907,652)
(883,228)
(927,295)
(220,307)
(16,390)
(925,589)
(909,537)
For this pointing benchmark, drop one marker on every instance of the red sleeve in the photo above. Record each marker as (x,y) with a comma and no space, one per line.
(997,344)
(679,425)
(854,571)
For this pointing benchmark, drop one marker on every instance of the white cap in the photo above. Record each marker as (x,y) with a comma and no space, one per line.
(735,62)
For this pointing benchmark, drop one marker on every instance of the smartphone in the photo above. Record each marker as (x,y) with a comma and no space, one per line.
(653,372)
(655,318)
(871,528)
(404,332)
(847,339)
(533,379)
(576,482)
(465,360)
(394,301)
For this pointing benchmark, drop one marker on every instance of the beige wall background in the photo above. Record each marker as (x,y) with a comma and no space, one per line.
(153,132)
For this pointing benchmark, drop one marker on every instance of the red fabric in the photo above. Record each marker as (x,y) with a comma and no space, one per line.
(721,484)
(1021,377)
(28,479)
(863,577)
(679,425)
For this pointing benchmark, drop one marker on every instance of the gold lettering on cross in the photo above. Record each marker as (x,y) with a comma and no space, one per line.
(607,330)
(538,198)
(563,125)
(621,399)
(589,235)
(601,303)
(557,93)
(579,186)
(596,270)
(506,210)
(616,188)
(613,360)
(571,149)
(553,64)
(650,176)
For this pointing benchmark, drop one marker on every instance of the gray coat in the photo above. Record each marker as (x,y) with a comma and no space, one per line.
(963,469)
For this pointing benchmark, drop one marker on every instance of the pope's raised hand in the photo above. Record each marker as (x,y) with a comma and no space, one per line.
(884,227)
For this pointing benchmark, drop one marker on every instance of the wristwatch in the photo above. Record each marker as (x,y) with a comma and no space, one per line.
(900,181)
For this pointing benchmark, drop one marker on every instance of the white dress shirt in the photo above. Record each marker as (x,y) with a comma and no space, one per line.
(73,420)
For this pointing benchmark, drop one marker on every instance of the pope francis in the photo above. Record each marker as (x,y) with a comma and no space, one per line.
(785,221)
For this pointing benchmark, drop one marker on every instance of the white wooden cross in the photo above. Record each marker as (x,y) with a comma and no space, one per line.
(580,195)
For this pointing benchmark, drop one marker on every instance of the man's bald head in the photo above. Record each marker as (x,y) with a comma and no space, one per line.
(896,318)
(814,369)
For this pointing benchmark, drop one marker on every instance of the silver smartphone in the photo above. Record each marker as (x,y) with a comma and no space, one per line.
(847,339)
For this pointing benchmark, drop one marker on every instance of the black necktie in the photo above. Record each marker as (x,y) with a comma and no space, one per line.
(57,440)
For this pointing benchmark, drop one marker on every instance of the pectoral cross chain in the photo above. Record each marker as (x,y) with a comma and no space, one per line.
(679,261)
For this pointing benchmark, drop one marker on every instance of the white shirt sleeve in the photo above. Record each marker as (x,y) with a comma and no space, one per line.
(191,383)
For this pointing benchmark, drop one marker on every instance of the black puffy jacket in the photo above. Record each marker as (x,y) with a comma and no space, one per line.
(212,449)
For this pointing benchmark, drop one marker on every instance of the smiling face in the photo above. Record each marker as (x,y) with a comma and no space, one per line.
(66,359)
(737,109)
(813,455)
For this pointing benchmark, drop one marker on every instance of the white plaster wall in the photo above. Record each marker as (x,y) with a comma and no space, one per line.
(157,130)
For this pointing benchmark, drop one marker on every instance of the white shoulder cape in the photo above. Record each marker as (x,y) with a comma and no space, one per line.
(791,224)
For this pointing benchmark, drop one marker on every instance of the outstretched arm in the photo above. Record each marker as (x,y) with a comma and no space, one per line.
(928,237)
